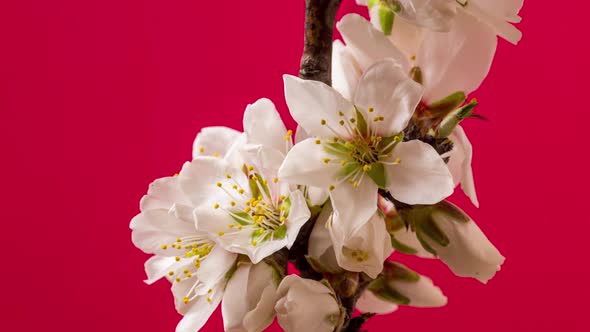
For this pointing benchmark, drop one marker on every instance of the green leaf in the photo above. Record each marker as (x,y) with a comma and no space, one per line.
(377,173)
(372,3)
(253,187)
(390,143)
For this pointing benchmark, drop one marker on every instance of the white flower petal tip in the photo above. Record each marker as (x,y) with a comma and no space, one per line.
(214,141)
(294,296)
(419,175)
(263,126)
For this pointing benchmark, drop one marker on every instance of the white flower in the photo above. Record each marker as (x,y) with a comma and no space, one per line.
(185,255)
(362,251)
(357,148)
(400,286)
(441,15)
(306,305)
(249,299)
(244,207)
(443,70)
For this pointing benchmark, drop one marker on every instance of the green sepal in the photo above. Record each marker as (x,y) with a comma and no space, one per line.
(381,289)
(318,266)
(452,212)
(372,3)
(399,272)
(398,246)
(448,104)
(259,237)
(240,216)
(377,173)
(394,223)
(335,148)
(452,120)
(280,232)
(361,123)
(386,18)
(429,228)
(416,75)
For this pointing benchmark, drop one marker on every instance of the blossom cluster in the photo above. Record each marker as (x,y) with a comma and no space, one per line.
(366,173)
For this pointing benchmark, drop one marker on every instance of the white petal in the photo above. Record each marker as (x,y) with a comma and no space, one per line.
(320,243)
(199,311)
(298,216)
(432,14)
(368,302)
(421,177)
(263,125)
(368,44)
(300,134)
(469,253)
(216,265)
(406,36)
(391,93)
(345,70)
(317,196)
(157,267)
(235,304)
(460,163)
(198,179)
(460,67)
(497,15)
(214,140)
(310,102)
(305,165)
(154,228)
(162,194)
(422,294)
(353,207)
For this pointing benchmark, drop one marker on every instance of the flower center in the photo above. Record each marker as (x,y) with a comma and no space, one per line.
(262,211)
(363,151)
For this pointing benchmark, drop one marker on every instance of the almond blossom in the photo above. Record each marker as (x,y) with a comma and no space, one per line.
(443,73)
(357,147)
(243,206)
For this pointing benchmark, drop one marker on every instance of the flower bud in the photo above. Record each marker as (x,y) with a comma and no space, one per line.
(306,305)
(399,285)
(249,299)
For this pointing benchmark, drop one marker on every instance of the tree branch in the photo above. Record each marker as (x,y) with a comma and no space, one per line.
(316,62)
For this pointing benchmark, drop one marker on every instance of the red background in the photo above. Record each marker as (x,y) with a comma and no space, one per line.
(98,98)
